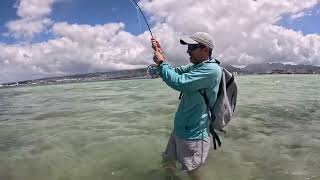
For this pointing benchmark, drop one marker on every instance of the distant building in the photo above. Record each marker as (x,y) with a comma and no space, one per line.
(281,71)
(13,84)
(302,71)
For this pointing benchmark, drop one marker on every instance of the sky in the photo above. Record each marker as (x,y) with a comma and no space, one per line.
(46,38)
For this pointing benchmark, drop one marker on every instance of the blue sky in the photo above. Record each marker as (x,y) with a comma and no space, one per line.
(101,12)
(80,12)
(98,12)
(308,24)
(42,38)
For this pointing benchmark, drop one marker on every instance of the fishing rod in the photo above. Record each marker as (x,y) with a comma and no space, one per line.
(144,17)
(152,70)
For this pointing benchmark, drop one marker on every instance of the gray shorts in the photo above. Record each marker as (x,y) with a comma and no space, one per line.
(190,153)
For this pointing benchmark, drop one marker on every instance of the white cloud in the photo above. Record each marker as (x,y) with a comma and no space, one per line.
(32,20)
(77,49)
(299,15)
(34,8)
(244,32)
(26,28)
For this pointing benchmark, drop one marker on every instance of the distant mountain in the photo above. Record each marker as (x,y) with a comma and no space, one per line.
(98,76)
(231,68)
(122,74)
(269,68)
(262,68)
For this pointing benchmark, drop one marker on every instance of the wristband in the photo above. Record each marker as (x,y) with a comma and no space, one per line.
(160,62)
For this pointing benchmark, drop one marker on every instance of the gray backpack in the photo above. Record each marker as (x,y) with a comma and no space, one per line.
(224,107)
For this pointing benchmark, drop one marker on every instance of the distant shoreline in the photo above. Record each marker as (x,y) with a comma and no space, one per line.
(61,83)
(252,69)
(121,79)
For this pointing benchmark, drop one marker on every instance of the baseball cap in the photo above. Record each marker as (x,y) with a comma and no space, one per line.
(198,37)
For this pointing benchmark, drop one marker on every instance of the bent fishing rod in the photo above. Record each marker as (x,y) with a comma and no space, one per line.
(152,70)
(144,17)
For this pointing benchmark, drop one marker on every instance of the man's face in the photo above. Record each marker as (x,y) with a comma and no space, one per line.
(197,52)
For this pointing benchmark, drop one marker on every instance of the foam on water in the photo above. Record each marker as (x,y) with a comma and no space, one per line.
(117,130)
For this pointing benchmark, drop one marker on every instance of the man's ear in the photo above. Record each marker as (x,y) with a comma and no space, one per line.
(206,49)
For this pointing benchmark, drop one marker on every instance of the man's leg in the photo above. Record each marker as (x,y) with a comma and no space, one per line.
(170,168)
(169,157)
(192,154)
(195,174)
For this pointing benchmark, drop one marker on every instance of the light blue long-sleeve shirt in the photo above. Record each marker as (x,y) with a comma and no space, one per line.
(192,118)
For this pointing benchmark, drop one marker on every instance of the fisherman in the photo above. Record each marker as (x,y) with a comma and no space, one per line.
(190,139)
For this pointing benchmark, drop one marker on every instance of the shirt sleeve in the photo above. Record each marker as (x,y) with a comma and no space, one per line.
(198,78)
(183,69)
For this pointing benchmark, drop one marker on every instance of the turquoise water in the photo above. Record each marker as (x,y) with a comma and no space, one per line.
(116,130)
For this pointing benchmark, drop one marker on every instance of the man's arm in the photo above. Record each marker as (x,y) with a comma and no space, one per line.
(180,69)
(194,80)
(183,69)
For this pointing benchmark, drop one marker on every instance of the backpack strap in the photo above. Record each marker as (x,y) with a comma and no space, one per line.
(215,136)
(206,100)
(209,61)
(230,81)
(180,96)
(215,61)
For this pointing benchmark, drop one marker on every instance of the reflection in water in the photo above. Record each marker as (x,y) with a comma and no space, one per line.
(117,130)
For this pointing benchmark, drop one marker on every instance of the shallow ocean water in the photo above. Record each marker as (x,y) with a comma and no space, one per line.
(116,130)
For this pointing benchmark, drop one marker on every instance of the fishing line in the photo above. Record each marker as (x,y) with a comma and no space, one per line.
(139,20)
(152,70)
(145,19)
(138,14)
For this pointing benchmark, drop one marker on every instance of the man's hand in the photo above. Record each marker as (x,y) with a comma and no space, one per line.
(158,54)
(156,45)
(158,58)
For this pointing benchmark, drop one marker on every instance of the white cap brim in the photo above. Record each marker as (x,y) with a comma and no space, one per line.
(187,40)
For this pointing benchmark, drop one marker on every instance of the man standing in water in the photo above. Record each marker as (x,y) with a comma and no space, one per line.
(189,142)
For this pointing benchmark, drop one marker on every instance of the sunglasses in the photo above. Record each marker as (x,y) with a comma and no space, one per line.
(192,47)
